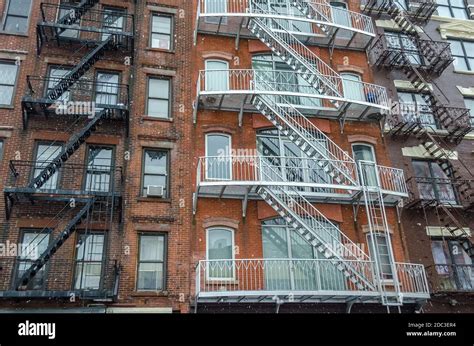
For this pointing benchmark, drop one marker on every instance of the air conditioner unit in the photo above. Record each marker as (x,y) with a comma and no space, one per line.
(155,190)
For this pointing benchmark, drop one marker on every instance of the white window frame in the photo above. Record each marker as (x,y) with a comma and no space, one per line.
(232,232)
(206,62)
(207,153)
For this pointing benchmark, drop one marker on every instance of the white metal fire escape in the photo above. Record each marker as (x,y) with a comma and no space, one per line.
(290,202)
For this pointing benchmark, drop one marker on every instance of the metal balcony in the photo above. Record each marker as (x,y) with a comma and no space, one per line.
(451,277)
(64,25)
(60,278)
(296,280)
(433,57)
(240,176)
(72,180)
(430,191)
(234,90)
(314,22)
(84,98)
(406,116)
(417,11)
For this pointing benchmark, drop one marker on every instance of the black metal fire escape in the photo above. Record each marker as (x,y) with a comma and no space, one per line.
(455,121)
(90,203)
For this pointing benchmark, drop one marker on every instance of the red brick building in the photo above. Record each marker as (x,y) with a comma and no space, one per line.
(293,180)
(95,148)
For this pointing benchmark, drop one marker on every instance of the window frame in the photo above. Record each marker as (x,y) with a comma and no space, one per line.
(96,80)
(465,57)
(2,149)
(206,153)
(434,185)
(170,97)
(14,86)
(167,195)
(21,236)
(28,17)
(171,34)
(370,245)
(102,261)
(86,166)
(46,88)
(232,232)
(165,260)
(112,9)
(450,7)
(227,68)
(35,157)
(471,109)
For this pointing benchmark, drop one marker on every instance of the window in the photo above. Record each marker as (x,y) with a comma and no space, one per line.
(220,249)
(162,31)
(281,154)
(453,265)
(89,261)
(55,75)
(413,107)
(433,183)
(106,88)
(159,96)
(8,75)
(470,105)
(218,158)
(452,9)
(16,19)
(364,155)
(383,250)
(282,243)
(67,12)
(353,88)
(217,75)
(151,262)
(113,20)
(32,245)
(217,7)
(156,170)
(1,149)
(270,68)
(99,168)
(405,43)
(463,53)
(46,153)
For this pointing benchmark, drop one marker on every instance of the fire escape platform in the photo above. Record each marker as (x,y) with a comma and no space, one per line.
(302,297)
(87,30)
(355,31)
(309,104)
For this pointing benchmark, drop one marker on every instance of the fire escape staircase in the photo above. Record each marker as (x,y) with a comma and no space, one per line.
(70,228)
(73,143)
(288,201)
(318,231)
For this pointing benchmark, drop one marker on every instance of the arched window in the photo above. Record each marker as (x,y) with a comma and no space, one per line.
(218,156)
(353,88)
(217,75)
(364,155)
(220,253)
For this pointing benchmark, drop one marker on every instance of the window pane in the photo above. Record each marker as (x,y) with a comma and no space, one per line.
(152,248)
(162,41)
(218,145)
(220,244)
(91,247)
(460,64)
(158,88)
(162,24)
(460,13)
(158,108)
(19,7)
(8,73)
(33,245)
(150,276)
(156,162)
(6,95)
(88,276)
